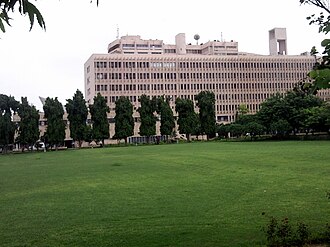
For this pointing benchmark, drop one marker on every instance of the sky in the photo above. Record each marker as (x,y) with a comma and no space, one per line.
(51,63)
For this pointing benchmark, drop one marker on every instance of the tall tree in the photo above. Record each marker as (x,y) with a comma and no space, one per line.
(167,122)
(8,105)
(28,131)
(187,118)
(24,7)
(148,119)
(55,131)
(77,116)
(206,104)
(124,121)
(100,123)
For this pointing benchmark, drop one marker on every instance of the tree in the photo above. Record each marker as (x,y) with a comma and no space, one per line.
(280,127)
(235,130)
(55,131)
(77,116)
(187,118)
(28,131)
(100,123)
(321,72)
(24,7)
(223,130)
(315,119)
(206,104)
(242,110)
(124,121)
(273,109)
(148,119)
(254,129)
(8,105)
(297,102)
(167,122)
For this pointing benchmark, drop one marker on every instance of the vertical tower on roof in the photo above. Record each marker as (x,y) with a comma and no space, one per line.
(278,41)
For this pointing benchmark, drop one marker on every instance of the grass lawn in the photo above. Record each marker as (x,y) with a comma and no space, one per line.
(196,194)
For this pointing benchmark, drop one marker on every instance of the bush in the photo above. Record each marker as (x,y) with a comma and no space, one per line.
(282,233)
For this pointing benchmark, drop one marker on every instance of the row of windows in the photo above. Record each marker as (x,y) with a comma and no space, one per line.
(208,65)
(195,86)
(203,76)
(141,46)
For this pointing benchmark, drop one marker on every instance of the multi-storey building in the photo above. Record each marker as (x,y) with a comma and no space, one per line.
(134,67)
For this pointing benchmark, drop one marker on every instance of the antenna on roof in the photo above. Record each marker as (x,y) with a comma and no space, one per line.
(221,37)
(117,37)
(197,37)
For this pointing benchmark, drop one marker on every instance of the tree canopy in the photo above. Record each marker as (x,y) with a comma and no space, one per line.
(77,116)
(28,131)
(8,105)
(187,118)
(148,119)
(167,122)
(124,121)
(55,132)
(320,75)
(206,104)
(100,123)
(24,7)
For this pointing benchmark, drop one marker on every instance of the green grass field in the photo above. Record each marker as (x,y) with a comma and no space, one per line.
(196,194)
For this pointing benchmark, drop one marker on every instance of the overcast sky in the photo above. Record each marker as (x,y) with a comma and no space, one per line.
(50,64)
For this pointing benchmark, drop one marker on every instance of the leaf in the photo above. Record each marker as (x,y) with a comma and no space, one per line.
(2,27)
(325,42)
(32,11)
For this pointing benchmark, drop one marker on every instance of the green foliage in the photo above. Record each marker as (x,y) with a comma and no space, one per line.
(235,129)
(242,110)
(148,119)
(8,105)
(77,116)
(283,234)
(280,128)
(206,104)
(124,121)
(100,123)
(254,128)
(24,7)
(222,130)
(321,72)
(167,122)
(28,132)
(187,118)
(55,132)
(281,114)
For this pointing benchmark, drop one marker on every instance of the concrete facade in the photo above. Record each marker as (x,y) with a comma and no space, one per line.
(135,66)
